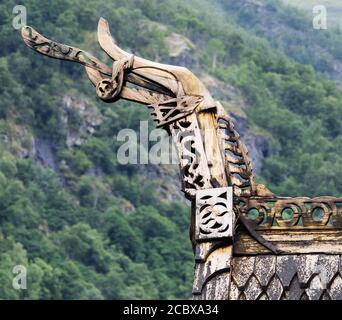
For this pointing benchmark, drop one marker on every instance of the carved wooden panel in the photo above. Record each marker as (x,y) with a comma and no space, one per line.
(193,163)
(214,213)
(166,112)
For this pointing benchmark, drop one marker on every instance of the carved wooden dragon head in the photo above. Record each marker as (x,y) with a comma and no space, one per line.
(210,151)
(173,93)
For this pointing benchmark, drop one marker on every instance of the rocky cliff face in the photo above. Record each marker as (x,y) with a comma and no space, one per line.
(235,104)
(181,50)
(16,139)
(80,118)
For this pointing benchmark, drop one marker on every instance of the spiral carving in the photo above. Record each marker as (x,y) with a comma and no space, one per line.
(109,90)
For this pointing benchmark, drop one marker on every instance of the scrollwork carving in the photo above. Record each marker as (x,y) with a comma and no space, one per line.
(166,112)
(109,90)
(214,213)
(192,159)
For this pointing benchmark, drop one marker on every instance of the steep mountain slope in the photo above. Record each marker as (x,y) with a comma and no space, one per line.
(87,226)
(291,31)
(334,9)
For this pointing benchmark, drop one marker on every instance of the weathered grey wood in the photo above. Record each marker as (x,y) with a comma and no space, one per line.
(218,262)
(253,289)
(264,269)
(293,277)
(315,289)
(234,292)
(306,268)
(204,248)
(243,268)
(330,265)
(286,269)
(325,296)
(264,297)
(275,289)
(216,289)
(335,291)
(295,291)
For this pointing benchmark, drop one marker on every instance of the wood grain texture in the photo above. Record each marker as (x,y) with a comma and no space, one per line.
(291,241)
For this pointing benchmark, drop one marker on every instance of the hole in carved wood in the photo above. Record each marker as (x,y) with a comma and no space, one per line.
(253,214)
(318,214)
(287,214)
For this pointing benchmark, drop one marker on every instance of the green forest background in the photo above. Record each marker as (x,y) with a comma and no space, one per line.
(87,227)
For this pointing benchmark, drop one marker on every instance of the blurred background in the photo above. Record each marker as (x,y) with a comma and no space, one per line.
(86,227)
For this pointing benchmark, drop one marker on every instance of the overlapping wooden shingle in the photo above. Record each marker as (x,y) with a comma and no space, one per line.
(286,277)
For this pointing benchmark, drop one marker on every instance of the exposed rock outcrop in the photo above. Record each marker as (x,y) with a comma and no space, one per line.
(17,139)
(180,50)
(233,101)
(257,145)
(80,118)
(44,155)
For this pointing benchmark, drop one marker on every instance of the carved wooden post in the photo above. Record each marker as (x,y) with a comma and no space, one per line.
(248,243)
(215,221)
